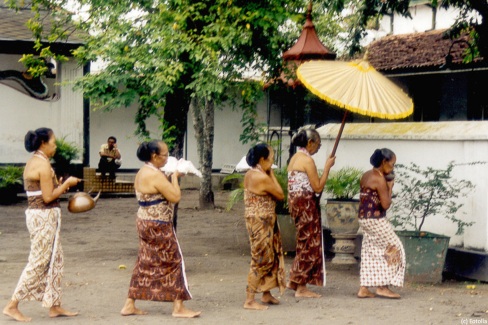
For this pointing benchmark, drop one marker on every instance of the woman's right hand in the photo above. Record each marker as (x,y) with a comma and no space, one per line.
(176,174)
(72,181)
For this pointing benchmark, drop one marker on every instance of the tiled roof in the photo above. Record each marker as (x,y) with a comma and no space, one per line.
(415,51)
(13,26)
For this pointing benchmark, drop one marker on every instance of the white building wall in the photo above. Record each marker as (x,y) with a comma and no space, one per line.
(120,124)
(426,144)
(228,127)
(21,113)
(421,21)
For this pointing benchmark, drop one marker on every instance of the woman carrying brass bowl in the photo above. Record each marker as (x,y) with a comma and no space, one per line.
(41,278)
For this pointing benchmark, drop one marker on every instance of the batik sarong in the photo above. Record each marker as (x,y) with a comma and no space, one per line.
(382,254)
(308,266)
(267,262)
(159,273)
(41,278)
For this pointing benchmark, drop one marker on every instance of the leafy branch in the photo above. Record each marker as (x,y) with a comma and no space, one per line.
(428,192)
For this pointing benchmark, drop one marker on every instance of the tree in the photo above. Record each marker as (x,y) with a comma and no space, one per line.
(173,55)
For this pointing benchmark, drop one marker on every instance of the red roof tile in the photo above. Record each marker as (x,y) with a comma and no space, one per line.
(416,50)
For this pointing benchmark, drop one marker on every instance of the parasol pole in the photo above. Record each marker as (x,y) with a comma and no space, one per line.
(332,154)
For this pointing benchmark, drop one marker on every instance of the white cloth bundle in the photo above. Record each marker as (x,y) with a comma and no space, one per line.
(182,166)
(242,165)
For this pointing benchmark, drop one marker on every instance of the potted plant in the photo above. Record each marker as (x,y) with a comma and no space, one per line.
(65,153)
(286,224)
(422,193)
(342,206)
(10,183)
(341,211)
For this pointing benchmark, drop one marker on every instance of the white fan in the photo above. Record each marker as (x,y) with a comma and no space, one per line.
(242,165)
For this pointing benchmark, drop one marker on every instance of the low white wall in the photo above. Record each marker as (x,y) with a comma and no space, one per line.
(426,144)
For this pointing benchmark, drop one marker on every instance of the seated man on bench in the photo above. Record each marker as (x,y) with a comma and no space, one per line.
(109,158)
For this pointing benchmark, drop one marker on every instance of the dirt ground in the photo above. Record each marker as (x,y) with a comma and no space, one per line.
(216,252)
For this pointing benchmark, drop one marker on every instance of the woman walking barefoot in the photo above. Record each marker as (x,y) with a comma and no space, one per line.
(382,253)
(41,278)
(304,186)
(159,273)
(261,189)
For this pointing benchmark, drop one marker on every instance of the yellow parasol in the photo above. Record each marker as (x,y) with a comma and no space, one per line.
(357,87)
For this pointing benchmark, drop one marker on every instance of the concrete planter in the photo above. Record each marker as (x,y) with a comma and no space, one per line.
(425,255)
(342,220)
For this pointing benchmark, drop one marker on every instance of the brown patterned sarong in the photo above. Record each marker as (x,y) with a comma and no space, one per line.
(159,273)
(308,266)
(267,262)
(41,277)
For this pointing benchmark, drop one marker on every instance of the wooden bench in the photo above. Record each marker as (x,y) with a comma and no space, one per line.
(123,183)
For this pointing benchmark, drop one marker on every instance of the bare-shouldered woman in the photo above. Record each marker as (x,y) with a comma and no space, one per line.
(41,278)
(304,188)
(159,273)
(261,190)
(382,253)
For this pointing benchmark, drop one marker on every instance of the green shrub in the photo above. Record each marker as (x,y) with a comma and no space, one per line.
(425,192)
(344,183)
(65,151)
(11,177)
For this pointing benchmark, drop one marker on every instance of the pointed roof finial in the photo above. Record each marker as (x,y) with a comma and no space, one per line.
(308,45)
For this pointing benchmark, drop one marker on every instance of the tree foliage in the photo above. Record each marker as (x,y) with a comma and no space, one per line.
(162,54)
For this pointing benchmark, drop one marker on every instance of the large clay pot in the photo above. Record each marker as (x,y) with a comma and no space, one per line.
(425,253)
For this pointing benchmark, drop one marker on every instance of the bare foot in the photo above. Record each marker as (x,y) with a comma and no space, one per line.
(387,293)
(130,309)
(57,311)
(254,305)
(268,298)
(303,292)
(365,293)
(180,311)
(292,286)
(11,310)
(186,313)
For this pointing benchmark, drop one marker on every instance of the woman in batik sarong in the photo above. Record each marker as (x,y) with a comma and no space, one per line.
(304,188)
(41,278)
(159,273)
(261,189)
(382,253)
